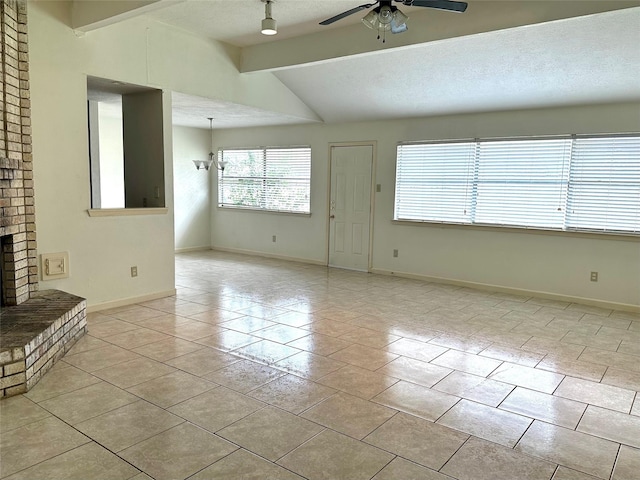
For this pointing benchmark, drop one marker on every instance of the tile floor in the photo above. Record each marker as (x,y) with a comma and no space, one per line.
(264,369)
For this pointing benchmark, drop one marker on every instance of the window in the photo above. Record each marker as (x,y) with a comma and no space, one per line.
(604,184)
(266,178)
(434,182)
(571,183)
(522,182)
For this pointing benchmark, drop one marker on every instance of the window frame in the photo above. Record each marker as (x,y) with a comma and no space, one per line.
(264,179)
(566,229)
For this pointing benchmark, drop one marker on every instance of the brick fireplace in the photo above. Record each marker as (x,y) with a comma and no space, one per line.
(18,261)
(36,328)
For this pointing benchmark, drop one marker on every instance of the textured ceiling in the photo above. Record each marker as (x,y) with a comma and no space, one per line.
(191,111)
(237,22)
(594,59)
(583,60)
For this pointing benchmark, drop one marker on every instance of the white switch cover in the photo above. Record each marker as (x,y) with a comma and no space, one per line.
(54,265)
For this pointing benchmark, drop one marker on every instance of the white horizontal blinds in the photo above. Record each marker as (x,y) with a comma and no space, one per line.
(604,185)
(288,179)
(266,178)
(522,182)
(586,184)
(434,182)
(242,183)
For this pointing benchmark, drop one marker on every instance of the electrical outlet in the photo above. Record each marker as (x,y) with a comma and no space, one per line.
(594,276)
(395,253)
(273,239)
(378,188)
(134,271)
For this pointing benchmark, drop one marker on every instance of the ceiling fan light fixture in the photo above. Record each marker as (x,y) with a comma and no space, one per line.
(371,20)
(399,22)
(269,25)
(385,15)
(386,18)
(399,28)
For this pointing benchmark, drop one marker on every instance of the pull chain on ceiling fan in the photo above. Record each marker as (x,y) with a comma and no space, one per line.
(387,17)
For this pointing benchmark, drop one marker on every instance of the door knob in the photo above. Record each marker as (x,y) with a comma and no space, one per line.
(332,216)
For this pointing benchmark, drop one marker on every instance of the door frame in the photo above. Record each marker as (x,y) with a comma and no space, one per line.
(374,161)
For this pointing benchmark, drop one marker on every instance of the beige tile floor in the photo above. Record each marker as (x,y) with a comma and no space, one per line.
(264,369)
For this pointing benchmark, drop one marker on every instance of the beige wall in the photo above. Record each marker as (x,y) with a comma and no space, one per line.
(101,250)
(556,264)
(191,188)
(146,53)
(141,52)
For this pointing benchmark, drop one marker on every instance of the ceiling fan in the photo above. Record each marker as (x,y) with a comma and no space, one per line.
(387,17)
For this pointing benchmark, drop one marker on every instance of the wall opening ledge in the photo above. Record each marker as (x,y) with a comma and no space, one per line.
(126,212)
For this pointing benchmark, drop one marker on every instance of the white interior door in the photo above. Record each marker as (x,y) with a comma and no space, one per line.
(350,207)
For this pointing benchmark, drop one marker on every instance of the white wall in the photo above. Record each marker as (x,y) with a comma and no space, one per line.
(191,188)
(111,157)
(101,250)
(298,236)
(143,52)
(557,264)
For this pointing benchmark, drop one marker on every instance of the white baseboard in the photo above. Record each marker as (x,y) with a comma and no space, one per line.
(192,249)
(515,291)
(270,255)
(129,301)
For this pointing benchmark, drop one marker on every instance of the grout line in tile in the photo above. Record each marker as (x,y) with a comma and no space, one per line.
(384,466)
(457,450)
(615,462)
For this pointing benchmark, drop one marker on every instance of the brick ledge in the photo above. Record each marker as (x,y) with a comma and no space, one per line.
(35,335)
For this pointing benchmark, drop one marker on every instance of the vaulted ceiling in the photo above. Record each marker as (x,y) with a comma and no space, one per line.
(498,55)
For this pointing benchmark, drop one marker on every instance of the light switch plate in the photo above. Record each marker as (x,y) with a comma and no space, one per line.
(54,265)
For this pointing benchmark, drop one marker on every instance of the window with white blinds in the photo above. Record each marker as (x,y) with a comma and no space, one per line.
(604,185)
(270,178)
(522,182)
(577,183)
(435,182)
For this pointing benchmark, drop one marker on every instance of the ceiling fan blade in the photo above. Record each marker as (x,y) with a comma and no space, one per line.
(441,4)
(329,21)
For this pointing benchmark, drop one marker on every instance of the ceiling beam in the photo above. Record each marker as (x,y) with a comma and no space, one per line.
(424,26)
(88,16)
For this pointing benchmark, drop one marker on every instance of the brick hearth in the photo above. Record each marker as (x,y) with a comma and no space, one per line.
(36,334)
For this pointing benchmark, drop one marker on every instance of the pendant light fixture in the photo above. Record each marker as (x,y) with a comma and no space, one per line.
(206,164)
(269,25)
